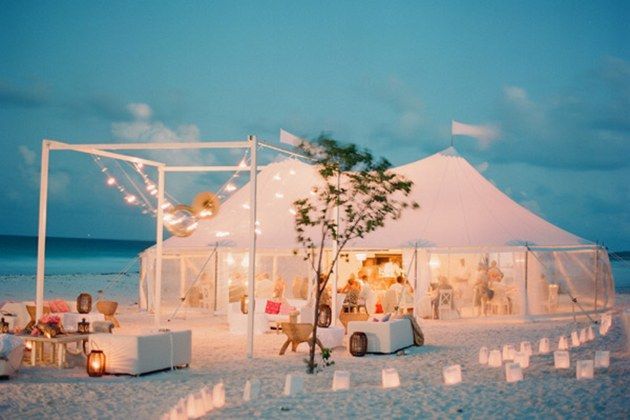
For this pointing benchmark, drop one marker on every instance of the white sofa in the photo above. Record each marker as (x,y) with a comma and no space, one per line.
(236,318)
(384,337)
(139,354)
(11,353)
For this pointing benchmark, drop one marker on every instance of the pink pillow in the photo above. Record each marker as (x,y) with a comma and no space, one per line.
(58,306)
(272,308)
(286,309)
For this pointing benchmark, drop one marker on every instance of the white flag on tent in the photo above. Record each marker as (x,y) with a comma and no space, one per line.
(485,133)
(288,138)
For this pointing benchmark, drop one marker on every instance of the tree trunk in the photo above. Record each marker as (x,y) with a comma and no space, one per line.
(311,356)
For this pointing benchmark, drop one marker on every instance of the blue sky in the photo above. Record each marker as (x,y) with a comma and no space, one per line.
(553,78)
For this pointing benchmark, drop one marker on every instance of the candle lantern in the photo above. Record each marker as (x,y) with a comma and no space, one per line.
(513,372)
(84,303)
(293,384)
(83,327)
(526,347)
(244,304)
(563,343)
(508,352)
(218,395)
(324,318)
(543,346)
(494,358)
(575,339)
(590,334)
(358,344)
(341,380)
(96,363)
(561,359)
(584,369)
(602,359)
(452,374)
(4,326)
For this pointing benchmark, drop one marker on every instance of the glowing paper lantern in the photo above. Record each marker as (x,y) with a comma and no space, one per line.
(575,339)
(561,359)
(341,380)
(522,358)
(452,374)
(180,410)
(584,369)
(543,346)
(602,359)
(195,406)
(526,347)
(583,338)
(218,395)
(494,358)
(563,344)
(293,384)
(483,355)
(252,390)
(390,378)
(590,334)
(508,352)
(513,372)
(206,393)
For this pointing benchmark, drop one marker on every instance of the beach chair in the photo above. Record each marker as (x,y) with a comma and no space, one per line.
(445,305)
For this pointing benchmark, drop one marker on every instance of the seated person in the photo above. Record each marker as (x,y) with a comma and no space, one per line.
(278,288)
(482,293)
(264,287)
(404,293)
(352,289)
(494,273)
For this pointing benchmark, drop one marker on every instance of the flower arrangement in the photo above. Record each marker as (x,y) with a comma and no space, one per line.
(48,325)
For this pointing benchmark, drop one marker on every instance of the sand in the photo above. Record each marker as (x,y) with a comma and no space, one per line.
(218,355)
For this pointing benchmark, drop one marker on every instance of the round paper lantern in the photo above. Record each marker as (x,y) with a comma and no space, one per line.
(84,303)
(325,316)
(358,344)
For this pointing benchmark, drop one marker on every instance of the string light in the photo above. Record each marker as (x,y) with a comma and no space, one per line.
(111,180)
(279,195)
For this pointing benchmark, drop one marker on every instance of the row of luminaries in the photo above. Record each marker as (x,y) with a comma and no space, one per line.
(519,360)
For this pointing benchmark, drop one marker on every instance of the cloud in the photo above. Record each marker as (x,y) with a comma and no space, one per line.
(140,111)
(58,181)
(482,167)
(485,134)
(584,126)
(22,96)
(28,155)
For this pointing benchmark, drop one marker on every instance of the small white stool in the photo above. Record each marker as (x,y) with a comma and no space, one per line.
(331,337)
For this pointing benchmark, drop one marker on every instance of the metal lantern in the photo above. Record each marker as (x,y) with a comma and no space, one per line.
(358,344)
(4,326)
(84,303)
(83,327)
(324,317)
(96,363)
(244,304)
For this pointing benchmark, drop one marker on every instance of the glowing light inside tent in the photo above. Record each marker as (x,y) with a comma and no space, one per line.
(292,211)
(279,195)
(245,261)
(361,256)
(292,172)
(277,177)
(434,262)
(229,260)
(258,231)
(222,234)
(246,206)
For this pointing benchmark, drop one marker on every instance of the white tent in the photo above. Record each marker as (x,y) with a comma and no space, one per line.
(463,220)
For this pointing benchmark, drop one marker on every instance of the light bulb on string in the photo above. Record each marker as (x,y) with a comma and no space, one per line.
(111,180)
(230,187)
(130,198)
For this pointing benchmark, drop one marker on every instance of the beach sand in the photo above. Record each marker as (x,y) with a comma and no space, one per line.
(218,355)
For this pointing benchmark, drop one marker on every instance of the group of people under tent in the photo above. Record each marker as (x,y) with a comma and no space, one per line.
(360,295)
(477,289)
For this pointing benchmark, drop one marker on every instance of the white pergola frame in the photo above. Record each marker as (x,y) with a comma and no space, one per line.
(105,150)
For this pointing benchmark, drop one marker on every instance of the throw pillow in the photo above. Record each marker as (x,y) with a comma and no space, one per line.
(272,308)
(386,317)
(286,309)
(58,306)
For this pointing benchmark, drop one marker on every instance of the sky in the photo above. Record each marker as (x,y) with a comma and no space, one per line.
(550,79)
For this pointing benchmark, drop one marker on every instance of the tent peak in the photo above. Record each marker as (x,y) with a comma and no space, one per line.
(449,151)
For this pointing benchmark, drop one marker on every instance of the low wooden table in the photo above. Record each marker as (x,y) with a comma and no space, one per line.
(346,317)
(59,346)
(297,333)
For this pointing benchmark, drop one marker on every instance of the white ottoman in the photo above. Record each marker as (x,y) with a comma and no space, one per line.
(138,354)
(384,337)
(331,337)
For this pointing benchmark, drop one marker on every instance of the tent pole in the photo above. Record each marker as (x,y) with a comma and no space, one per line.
(596,273)
(336,266)
(159,237)
(526,300)
(253,144)
(41,234)
(216,277)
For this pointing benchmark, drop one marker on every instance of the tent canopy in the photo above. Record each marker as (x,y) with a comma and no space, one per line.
(458,208)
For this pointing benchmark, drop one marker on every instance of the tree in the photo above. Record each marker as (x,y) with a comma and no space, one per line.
(366,194)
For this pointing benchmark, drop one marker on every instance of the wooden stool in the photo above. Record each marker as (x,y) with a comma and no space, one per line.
(296,334)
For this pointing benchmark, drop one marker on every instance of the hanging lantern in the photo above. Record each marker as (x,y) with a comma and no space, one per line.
(181,220)
(325,316)
(84,303)
(205,205)
(358,344)
(244,304)
(4,326)
(96,363)
(83,327)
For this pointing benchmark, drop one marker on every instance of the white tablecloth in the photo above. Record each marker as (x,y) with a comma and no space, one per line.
(331,337)
(71,319)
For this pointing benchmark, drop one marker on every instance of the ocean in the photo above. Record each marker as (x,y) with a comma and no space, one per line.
(18,256)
